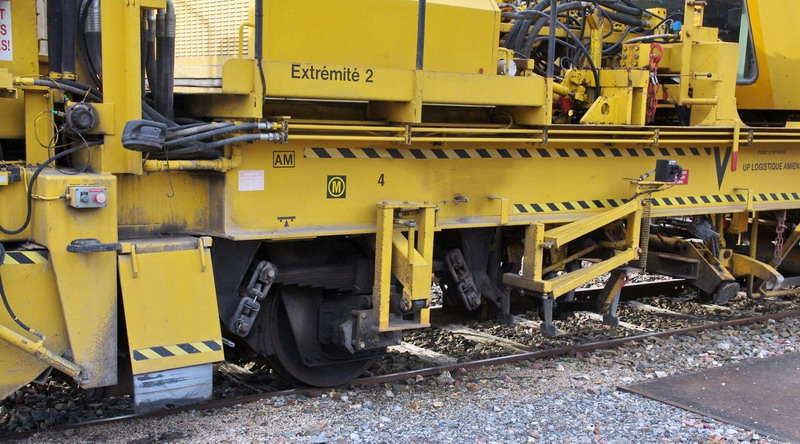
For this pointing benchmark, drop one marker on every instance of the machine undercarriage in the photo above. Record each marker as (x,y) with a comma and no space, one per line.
(179,188)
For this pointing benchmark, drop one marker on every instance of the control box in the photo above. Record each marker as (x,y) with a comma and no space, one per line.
(87,197)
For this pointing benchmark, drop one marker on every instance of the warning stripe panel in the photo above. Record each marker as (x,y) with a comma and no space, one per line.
(167,351)
(26,257)
(496,153)
(581,205)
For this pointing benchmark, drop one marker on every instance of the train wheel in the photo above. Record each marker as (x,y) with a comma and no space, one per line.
(285,355)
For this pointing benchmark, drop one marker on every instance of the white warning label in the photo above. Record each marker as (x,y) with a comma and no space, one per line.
(251,180)
(5,31)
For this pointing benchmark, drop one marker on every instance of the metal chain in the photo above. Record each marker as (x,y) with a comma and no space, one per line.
(656,52)
(779,239)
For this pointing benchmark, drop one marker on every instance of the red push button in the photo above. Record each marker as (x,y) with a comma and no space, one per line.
(100,198)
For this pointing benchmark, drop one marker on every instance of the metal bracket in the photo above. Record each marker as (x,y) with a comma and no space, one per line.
(409,258)
(504,208)
(749,197)
(130,249)
(537,239)
(91,245)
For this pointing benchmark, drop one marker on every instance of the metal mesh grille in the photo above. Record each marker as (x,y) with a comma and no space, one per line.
(210,27)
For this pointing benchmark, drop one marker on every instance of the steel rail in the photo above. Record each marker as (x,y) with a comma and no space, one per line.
(382,379)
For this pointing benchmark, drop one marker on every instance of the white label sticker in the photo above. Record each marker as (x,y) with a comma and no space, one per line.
(251,180)
(5,31)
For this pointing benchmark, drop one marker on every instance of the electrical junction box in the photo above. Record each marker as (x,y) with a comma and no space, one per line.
(87,197)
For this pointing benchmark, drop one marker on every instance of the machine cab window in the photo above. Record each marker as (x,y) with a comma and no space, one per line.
(732,19)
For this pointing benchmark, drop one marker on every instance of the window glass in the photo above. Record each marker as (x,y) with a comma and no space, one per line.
(732,20)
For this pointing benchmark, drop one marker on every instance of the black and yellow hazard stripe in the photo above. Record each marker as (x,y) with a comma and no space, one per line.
(26,257)
(709,199)
(577,205)
(773,197)
(167,351)
(497,153)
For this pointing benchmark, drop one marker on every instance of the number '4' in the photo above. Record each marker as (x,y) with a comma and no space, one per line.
(381,180)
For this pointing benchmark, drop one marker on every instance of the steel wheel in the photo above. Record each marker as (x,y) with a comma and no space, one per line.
(285,354)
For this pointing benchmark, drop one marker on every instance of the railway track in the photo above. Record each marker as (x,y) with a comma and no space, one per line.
(421,361)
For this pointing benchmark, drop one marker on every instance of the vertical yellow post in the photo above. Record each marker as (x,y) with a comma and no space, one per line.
(121,82)
(693,20)
(534,252)
(427,222)
(595,22)
(753,250)
(383,265)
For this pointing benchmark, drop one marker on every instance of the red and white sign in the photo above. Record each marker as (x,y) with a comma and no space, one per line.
(5,31)
(251,180)
(684,179)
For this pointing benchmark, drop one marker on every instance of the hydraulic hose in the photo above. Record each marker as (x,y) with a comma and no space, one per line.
(217,132)
(150,53)
(68,88)
(69,24)
(89,26)
(530,40)
(204,148)
(259,43)
(551,39)
(197,128)
(627,19)
(619,7)
(575,38)
(516,38)
(165,59)
(156,116)
(55,9)
(7,305)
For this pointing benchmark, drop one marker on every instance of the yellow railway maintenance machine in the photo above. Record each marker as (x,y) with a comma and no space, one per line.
(185,178)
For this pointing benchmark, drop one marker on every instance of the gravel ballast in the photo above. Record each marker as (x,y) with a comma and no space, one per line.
(566,400)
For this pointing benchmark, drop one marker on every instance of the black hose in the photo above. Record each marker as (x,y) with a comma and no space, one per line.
(94,92)
(619,7)
(150,59)
(644,11)
(165,60)
(156,116)
(517,41)
(142,52)
(215,145)
(212,133)
(618,44)
(69,20)
(89,41)
(60,85)
(259,43)
(626,19)
(579,45)
(196,128)
(551,39)
(558,41)
(529,40)
(10,311)
(54,30)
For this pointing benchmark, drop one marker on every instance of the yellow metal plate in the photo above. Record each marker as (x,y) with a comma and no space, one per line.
(30,286)
(170,304)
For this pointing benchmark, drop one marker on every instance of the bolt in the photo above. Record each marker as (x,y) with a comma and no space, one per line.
(363,316)
(361,345)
